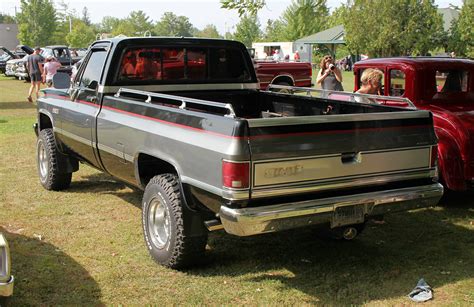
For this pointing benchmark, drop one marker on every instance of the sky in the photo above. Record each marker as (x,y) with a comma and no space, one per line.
(199,12)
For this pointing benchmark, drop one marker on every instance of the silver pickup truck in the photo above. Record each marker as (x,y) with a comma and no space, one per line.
(184,120)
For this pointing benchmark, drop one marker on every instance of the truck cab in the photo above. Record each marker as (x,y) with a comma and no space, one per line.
(444,86)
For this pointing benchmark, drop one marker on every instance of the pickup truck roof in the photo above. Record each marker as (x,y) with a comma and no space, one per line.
(119,47)
(418,62)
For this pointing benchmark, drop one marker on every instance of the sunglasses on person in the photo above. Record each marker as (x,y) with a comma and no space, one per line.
(328,58)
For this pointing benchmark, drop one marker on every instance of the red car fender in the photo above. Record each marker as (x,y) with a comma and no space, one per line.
(449,162)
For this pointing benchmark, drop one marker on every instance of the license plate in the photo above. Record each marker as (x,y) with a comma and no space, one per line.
(348,215)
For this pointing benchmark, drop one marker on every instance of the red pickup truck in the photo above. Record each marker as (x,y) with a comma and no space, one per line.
(283,73)
(445,87)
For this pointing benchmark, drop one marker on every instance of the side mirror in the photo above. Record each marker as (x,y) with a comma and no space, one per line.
(93,85)
(61,80)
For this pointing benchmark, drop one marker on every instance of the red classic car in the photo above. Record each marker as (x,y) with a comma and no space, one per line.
(445,87)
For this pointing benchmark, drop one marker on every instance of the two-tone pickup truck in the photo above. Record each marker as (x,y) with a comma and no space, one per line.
(184,120)
(445,87)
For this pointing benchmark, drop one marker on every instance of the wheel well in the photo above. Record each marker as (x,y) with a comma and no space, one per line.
(44,122)
(283,79)
(149,166)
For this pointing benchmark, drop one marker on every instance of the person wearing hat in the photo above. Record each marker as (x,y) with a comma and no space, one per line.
(35,69)
(50,69)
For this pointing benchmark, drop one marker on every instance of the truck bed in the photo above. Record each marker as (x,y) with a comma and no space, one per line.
(296,144)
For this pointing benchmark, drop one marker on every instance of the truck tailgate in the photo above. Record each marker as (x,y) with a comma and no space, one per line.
(292,155)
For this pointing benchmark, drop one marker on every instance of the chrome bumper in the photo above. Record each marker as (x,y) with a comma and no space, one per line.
(6,289)
(252,221)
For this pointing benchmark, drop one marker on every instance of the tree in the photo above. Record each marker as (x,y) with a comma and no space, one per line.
(248,30)
(140,22)
(305,17)
(209,31)
(4,18)
(85,17)
(37,21)
(108,24)
(392,28)
(465,25)
(81,35)
(275,31)
(173,25)
(337,17)
(243,7)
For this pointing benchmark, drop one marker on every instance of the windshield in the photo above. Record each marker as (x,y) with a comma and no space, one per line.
(155,65)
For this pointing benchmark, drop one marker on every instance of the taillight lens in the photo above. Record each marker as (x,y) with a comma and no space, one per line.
(235,175)
(434,156)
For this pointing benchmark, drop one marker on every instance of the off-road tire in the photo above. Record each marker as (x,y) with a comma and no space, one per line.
(52,177)
(178,251)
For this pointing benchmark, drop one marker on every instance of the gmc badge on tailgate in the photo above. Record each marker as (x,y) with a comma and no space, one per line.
(275,172)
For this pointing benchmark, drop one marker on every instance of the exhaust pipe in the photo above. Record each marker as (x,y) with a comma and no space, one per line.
(213,225)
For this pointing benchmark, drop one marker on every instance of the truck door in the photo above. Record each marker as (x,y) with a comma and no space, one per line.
(78,115)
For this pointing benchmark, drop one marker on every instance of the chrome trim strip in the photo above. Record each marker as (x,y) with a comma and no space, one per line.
(320,169)
(182,87)
(202,185)
(74,137)
(115,152)
(303,120)
(257,220)
(310,187)
(338,155)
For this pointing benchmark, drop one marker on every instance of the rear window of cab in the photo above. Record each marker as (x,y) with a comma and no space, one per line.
(162,65)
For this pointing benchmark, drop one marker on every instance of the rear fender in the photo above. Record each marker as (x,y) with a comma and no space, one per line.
(147,165)
(450,162)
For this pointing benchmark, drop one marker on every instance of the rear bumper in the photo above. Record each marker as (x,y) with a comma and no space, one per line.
(252,221)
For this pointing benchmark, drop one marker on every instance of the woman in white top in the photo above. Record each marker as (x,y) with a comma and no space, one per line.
(49,70)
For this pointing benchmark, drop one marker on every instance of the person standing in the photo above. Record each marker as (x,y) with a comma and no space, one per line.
(297,56)
(50,69)
(35,70)
(330,77)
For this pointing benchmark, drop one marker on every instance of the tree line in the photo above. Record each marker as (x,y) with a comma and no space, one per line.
(373,27)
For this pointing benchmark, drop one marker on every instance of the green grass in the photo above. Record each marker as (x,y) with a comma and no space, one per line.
(84,246)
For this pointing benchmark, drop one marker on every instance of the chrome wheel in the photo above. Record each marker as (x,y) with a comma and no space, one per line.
(42,161)
(159,222)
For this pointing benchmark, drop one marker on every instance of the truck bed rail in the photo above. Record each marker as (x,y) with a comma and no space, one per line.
(340,95)
(182,102)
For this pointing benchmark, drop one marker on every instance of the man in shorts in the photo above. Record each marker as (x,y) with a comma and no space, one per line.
(35,69)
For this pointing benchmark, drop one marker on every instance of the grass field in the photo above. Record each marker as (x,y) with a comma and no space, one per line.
(84,246)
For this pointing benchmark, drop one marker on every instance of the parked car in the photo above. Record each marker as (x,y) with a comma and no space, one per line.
(185,120)
(445,87)
(12,65)
(6,279)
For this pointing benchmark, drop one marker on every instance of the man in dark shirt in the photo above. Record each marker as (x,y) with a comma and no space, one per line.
(35,69)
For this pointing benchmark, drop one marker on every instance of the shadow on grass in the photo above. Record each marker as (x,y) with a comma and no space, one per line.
(106,184)
(17,105)
(46,275)
(385,262)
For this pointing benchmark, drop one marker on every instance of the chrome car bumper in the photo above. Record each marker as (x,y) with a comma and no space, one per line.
(6,289)
(257,220)
(6,280)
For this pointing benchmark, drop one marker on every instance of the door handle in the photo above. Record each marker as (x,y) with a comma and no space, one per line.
(351,158)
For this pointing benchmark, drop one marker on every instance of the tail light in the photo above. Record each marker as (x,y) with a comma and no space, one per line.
(235,175)
(434,156)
